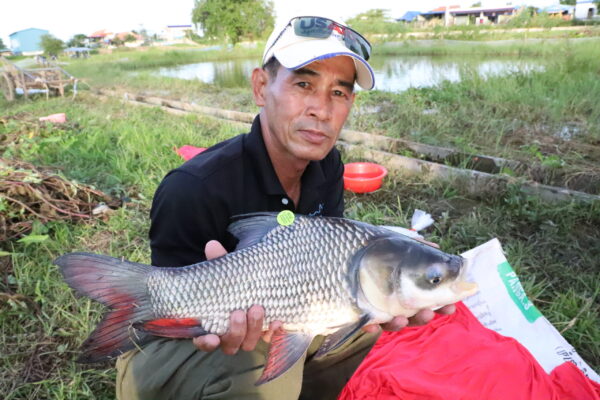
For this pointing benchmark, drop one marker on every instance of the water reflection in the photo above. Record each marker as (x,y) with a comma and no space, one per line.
(232,73)
(397,74)
(392,73)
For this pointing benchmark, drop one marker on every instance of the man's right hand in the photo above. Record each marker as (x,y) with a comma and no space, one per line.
(245,328)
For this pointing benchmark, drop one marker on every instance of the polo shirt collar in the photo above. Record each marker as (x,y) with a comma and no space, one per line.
(313,175)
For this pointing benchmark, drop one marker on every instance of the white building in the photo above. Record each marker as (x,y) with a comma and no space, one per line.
(176,33)
(586,9)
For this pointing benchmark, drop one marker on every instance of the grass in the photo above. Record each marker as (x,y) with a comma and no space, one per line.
(126,150)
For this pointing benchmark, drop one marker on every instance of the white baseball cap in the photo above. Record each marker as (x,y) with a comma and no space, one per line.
(304,39)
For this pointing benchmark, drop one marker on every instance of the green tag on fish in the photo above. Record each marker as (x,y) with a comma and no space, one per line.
(517,293)
(285,218)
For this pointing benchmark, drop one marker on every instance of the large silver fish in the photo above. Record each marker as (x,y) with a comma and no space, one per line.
(318,275)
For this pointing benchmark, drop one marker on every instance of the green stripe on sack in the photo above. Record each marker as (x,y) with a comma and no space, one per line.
(516,292)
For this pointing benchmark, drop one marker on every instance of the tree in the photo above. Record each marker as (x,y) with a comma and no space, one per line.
(375,21)
(374,15)
(568,2)
(2,46)
(52,46)
(129,38)
(234,20)
(77,40)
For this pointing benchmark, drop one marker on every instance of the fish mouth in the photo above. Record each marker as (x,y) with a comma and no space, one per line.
(464,288)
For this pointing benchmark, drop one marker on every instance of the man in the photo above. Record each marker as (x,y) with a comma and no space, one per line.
(286,162)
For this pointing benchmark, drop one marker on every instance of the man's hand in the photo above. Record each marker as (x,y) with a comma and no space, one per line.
(245,329)
(420,318)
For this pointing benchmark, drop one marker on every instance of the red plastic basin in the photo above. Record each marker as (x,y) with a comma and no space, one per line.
(363,177)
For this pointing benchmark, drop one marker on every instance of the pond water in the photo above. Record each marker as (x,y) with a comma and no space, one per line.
(392,73)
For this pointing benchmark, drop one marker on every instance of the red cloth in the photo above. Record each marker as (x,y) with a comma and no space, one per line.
(454,357)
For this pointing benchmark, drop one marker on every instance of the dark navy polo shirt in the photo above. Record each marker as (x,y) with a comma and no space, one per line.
(194,203)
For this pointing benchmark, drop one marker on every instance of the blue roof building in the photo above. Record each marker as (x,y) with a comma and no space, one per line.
(410,16)
(27,41)
(558,9)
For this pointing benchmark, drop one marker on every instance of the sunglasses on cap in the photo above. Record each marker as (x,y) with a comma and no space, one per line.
(322,28)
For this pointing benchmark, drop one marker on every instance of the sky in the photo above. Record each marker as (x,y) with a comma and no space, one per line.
(65,18)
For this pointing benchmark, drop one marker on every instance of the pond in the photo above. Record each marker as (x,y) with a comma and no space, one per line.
(392,73)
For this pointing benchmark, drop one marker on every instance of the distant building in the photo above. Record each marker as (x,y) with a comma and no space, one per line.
(27,41)
(586,10)
(100,37)
(409,16)
(137,41)
(482,15)
(176,33)
(563,11)
(468,16)
(435,16)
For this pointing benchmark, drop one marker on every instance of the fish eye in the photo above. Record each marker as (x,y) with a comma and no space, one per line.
(434,275)
(435,280)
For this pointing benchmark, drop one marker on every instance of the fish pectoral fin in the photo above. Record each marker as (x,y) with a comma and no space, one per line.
(172,327)
(251,228)
(286,348)
(338,338)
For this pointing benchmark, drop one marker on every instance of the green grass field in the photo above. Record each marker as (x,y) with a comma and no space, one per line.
(126,150)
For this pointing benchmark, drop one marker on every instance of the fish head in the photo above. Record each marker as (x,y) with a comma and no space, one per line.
(399,276)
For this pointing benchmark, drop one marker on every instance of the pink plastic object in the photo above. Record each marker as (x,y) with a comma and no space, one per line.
(59,118)
(187,151)
(363,177)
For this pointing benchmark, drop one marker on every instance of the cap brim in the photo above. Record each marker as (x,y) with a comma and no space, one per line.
(308,50)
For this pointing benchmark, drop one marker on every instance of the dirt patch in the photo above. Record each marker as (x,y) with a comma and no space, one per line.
(29,194)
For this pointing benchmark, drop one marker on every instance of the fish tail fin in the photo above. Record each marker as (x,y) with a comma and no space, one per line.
(121,286)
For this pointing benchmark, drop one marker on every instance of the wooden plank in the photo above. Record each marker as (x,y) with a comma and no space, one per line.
(432,153)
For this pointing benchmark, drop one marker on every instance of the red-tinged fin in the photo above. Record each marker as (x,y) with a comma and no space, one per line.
(285,350)
(173,328)
(121,286)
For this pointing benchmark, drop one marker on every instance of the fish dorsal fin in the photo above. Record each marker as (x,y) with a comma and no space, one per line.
(286,348)
(338,338)
(251,228)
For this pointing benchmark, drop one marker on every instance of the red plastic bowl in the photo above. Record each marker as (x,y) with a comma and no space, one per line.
(363,177)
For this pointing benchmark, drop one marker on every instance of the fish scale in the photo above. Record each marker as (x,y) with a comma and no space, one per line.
(288,287)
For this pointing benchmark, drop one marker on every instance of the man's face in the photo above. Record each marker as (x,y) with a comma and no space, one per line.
(305,109)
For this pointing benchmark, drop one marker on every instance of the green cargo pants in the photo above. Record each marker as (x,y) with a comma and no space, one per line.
(169,369)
